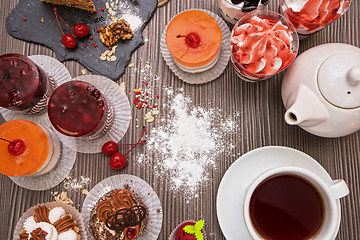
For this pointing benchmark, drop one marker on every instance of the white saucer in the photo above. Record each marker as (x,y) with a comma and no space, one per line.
(243,171)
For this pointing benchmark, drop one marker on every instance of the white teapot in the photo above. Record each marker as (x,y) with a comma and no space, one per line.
(321,90)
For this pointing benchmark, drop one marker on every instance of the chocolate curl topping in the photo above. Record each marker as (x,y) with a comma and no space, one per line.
(65,223)
(38,234)
(41,214)
(126,217)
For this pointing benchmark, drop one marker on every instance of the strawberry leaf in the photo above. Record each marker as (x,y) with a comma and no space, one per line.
(199,225)
(189,229)
(199,235)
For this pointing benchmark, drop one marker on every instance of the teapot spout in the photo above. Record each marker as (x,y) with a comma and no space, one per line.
(307,110)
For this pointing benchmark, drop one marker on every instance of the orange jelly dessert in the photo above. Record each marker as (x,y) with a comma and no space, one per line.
(194,40)
(40,153)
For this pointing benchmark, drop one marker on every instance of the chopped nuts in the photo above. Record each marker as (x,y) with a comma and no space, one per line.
(108,55)
(120,29)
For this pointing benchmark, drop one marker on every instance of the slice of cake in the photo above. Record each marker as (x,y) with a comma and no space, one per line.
(87,5)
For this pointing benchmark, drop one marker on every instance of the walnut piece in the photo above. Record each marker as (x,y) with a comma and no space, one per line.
(120,29)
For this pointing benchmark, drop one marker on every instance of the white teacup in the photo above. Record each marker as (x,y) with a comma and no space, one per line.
(330,192)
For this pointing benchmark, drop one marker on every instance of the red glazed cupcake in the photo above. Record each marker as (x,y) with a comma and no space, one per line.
(24,86)
(78,109)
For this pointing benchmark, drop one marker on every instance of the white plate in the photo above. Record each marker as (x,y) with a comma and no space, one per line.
(243,171)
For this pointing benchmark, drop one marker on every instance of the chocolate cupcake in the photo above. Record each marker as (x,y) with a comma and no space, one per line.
(119,214)
(50,223)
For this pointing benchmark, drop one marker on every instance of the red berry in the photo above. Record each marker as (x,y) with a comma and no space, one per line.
(81,30)
(68,41)
(131,233)
(117,161)
(17,147)
(102,9)
(109,148)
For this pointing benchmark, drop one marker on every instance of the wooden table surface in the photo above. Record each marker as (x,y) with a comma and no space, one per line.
(261,115)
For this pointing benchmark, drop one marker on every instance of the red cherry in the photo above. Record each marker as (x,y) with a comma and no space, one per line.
(117,161)
(131,233)
(182,235)
(192,40)
(69,41)
(109,148)
(16,147)
(81,30)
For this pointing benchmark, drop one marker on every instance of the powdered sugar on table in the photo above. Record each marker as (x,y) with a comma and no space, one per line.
(188,144)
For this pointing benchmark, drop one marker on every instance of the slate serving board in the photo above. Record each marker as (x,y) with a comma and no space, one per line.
(49,34)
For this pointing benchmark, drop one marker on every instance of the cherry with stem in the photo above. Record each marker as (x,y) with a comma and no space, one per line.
(15,147)
(117,160)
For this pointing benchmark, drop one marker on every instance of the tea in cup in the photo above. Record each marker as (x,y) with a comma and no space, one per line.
(293,203)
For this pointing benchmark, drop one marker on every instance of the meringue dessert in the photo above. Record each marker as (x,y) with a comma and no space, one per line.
(50,224)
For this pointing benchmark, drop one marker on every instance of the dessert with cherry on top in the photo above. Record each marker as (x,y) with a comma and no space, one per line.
(27,148)
(194,40)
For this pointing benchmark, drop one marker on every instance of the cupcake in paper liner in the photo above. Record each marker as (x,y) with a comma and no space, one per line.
(52,220)
(122,207)
(189,230)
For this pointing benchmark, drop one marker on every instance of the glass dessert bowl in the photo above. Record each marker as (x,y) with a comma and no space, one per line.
(263,43)
(24,86)
(27,148)
(78,109)
(309,17)
(233,10)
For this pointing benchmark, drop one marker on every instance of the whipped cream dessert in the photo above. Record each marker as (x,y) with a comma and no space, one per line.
(309,16)
(54,224)
(261,46)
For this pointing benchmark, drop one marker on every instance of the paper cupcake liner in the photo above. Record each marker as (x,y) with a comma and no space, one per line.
(54,69)
(68,208)
(173,233)
(141,188)
(208,75)
(52,178)
(116,96)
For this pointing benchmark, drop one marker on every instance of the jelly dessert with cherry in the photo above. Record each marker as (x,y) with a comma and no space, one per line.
(24,86)
(27,148)
(78,109)
(194,39)
(262,44)
(310,16)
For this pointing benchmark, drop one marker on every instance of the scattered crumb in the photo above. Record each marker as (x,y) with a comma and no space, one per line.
(122,85)
(137,89)
(131,65)
(62,197)
(85,191)
(83,71)
(42,19)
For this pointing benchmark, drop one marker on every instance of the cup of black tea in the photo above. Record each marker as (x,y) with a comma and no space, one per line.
(293,203)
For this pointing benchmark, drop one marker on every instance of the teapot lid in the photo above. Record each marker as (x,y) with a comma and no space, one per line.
(339,79)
